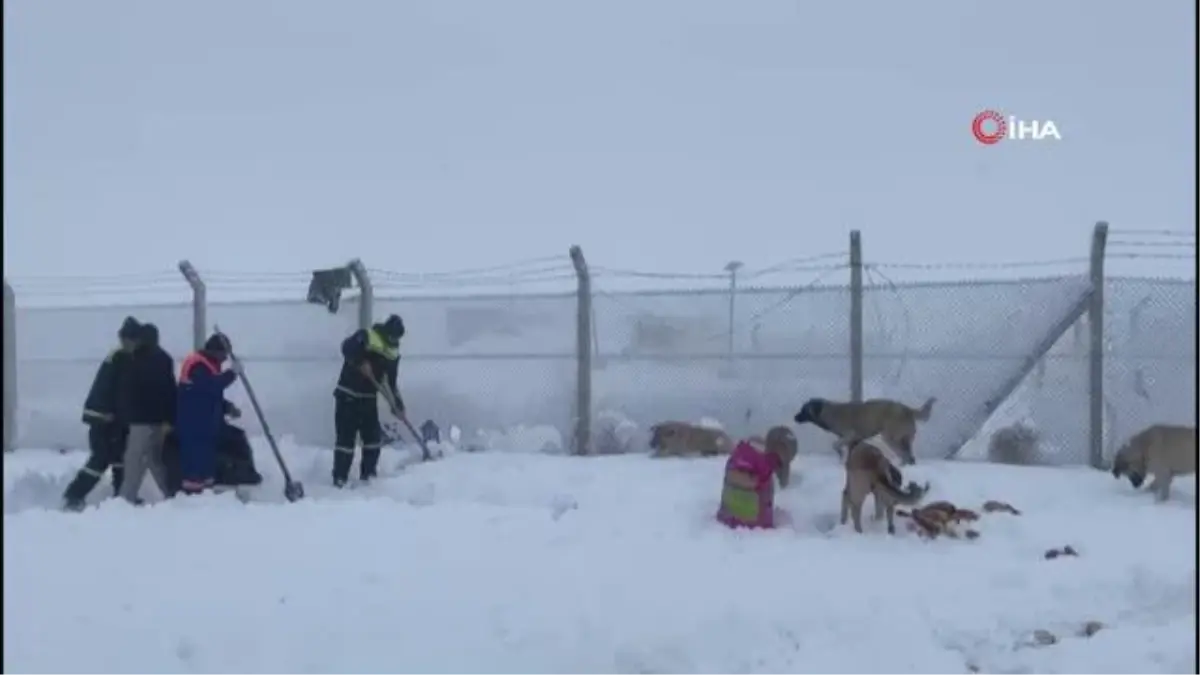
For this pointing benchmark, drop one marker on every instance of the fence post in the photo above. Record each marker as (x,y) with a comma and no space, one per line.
(366,293)
(583,354)
(1096,349)
(856,317)
(732,268)
(10,367)
(199,304)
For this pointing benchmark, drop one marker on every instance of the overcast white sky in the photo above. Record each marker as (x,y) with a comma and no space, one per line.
(670,135)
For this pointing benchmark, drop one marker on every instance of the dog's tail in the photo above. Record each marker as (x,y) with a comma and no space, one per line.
(923,412)
(901,495)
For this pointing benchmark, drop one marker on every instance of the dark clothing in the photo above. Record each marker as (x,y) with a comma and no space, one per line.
(355,419)
(100,406)
(355,408)
(130,329)
(200,414)
(148,396)
(106,443)
(234,460)
(373,347)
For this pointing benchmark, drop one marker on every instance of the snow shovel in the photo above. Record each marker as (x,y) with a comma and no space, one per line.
(390,397)
(292,490)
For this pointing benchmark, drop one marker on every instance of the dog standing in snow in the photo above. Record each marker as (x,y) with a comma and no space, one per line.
(1161,450)
(895,422)
(868,472)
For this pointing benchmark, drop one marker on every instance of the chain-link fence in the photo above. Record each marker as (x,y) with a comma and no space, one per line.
(742,359)
(1149,355)
(971,345)
(999,355)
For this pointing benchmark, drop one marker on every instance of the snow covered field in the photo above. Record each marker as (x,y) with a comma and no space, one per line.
(524,562)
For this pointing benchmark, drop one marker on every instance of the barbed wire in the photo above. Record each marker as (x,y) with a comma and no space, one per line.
(600,271)
(1135,243)
(804,264)
(513,268)
(1185,234)
(1132,245)
(1008,265)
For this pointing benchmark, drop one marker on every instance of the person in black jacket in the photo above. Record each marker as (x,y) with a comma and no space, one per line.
(106,435)
(148,406)
(370,358)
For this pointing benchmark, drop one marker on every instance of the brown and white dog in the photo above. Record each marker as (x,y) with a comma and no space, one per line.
(851,422)
(680,439)
(868,472)
(1161,450)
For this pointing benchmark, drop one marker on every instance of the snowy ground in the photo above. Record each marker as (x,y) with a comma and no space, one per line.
(524,562)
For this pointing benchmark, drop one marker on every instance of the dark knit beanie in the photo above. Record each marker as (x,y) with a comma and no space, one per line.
(130,329)
(218,342)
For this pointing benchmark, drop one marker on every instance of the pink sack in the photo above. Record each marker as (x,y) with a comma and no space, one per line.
(748,494)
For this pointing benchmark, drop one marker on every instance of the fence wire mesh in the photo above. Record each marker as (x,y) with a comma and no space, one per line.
(969,345)
(489,363)
(743,358)
(1005,358)
(1150,356)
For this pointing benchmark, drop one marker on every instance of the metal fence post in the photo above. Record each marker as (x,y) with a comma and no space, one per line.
(199,304)
(366,293)
(583,354)
(856,317)
(10,367)
(1096,349)
(732,268)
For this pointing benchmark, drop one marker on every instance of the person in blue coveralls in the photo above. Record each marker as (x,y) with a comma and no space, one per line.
(201,411)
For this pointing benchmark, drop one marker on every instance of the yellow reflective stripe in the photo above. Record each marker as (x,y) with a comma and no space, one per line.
(97,414)
(377,344)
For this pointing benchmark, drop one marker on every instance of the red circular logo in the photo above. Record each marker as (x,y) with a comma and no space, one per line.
(989,127)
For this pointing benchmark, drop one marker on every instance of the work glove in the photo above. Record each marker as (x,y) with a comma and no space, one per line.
(236,366)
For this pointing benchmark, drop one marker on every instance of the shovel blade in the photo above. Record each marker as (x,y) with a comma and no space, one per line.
(293,492)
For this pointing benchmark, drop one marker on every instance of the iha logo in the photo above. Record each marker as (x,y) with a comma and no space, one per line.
(990,127)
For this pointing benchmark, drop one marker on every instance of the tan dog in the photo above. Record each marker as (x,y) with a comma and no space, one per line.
(854,422)
(868,472)
(678,439)
(1161,450)
(782,442)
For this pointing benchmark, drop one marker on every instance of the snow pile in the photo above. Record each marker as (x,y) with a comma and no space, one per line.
(613,433)
(508,561)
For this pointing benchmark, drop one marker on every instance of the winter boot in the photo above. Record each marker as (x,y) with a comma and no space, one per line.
(341,467)
(82,484)
(369,468)
(118,477)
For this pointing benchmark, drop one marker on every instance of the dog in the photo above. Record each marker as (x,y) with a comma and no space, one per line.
(781,441)
(868,472)
(1161,450)
(895,422)
(677,439)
